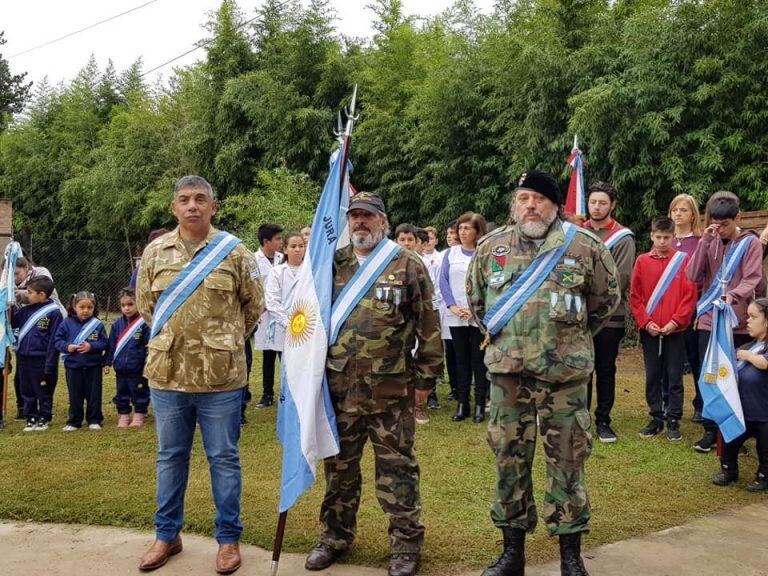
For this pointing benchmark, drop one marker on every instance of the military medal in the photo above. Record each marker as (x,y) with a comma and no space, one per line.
(379,293)
(398,296)
(553,297)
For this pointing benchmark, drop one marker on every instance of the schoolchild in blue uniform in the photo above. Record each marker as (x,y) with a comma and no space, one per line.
(126,354)
(753,393)
(36,356)
(81,337)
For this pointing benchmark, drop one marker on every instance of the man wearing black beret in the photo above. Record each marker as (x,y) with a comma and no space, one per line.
(540,289)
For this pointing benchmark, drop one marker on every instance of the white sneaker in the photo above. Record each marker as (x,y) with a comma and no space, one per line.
(42,425)
(94,426)
(31,425)
(70,428)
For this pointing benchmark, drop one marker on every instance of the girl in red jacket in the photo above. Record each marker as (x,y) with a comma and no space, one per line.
(662,299)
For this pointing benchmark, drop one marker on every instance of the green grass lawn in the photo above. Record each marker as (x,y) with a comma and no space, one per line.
(636,486)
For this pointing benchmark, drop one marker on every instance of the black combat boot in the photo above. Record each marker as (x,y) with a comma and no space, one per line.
(479,409)
(512,559)
(462,412)
(728,475)
(759,484)
(571,563)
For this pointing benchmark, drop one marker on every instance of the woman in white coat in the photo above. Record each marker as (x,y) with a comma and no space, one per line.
(279,286)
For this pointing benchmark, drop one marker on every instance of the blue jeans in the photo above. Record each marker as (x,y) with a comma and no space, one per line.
(176,414)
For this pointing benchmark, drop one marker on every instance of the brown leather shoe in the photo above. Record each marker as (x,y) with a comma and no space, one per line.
(158,554)
(228,558)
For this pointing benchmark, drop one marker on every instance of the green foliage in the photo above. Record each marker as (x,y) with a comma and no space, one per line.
(13,91)
(666,96)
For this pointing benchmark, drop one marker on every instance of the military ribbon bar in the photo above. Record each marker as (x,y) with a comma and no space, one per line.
(665,281)
(126,335)
(34,319)
(730,263)
(190,278)
(526,284)
(360,283)
(612,239)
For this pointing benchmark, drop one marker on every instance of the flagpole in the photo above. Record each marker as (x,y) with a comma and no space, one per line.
(345,140)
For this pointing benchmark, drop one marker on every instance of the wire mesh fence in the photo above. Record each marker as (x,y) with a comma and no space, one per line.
(97,266)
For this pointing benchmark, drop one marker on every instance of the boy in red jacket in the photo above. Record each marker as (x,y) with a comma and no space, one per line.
(662,299)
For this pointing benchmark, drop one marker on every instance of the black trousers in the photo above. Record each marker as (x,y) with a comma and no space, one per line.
(469,361)
(691,340)
(268,371)
(37,395)
(757,430)
(664,363)
(607,344)
(84,386)
(132,389)
(738,340)
(450,363)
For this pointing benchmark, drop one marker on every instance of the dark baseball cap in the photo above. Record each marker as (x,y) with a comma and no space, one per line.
(367,201)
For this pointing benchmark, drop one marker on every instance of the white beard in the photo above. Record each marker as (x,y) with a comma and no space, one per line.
(538,230)
(367,242)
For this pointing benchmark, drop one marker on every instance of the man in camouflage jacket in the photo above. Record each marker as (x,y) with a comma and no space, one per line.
(196,370)
(374,379)
(540,363)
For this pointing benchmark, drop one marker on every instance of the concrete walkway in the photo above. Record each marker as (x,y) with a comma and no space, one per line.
(731,543)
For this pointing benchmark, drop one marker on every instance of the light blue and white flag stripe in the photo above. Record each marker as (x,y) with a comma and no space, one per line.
(124,338)
(32,320)
(665,281)
(190,278)
(529,281)
(613,239)
(306,423)
(7,298)
(718,381)
(723,278)
(360,283)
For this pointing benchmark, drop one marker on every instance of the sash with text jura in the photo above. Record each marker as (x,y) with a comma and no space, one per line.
(34,319)
(190,278)
(126,335)
(675,263)
(85,331)
(723,277)
(527,283)
(757,348)
(614,237)
(360,283)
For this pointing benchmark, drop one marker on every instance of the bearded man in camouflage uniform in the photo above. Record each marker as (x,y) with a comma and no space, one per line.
(374,379)
(196,367)
(540,359)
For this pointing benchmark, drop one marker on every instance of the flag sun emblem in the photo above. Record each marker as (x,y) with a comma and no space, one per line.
(302,323)
(723,372)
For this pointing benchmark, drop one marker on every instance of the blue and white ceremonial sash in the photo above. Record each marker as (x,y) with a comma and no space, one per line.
(718,381)
(757,348)
(613,239)
(360,283)
(529,281)
(32,320)
(722,279)
(665,281)
(128,333)
(191,277)
(85,331)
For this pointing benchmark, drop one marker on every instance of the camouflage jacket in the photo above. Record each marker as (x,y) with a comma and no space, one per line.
(550,338)
(202,347)
(372,365)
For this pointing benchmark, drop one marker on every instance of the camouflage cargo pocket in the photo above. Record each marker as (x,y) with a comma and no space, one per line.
(219,290)
(217,358)
(159,365)
(581,438)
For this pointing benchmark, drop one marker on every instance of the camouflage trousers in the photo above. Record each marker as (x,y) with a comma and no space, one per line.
(563,420)
(397,478)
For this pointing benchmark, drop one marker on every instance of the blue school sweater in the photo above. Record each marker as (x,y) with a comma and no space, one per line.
(131,359)
(39,341)
(65,335)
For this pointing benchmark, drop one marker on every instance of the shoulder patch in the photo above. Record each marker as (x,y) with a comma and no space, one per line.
(253,268)
(500,250)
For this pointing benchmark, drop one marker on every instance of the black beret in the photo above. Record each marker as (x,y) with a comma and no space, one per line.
(541,182)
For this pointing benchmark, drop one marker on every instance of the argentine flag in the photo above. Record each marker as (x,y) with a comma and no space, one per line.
(718,383)
(7,298)
(306,423)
